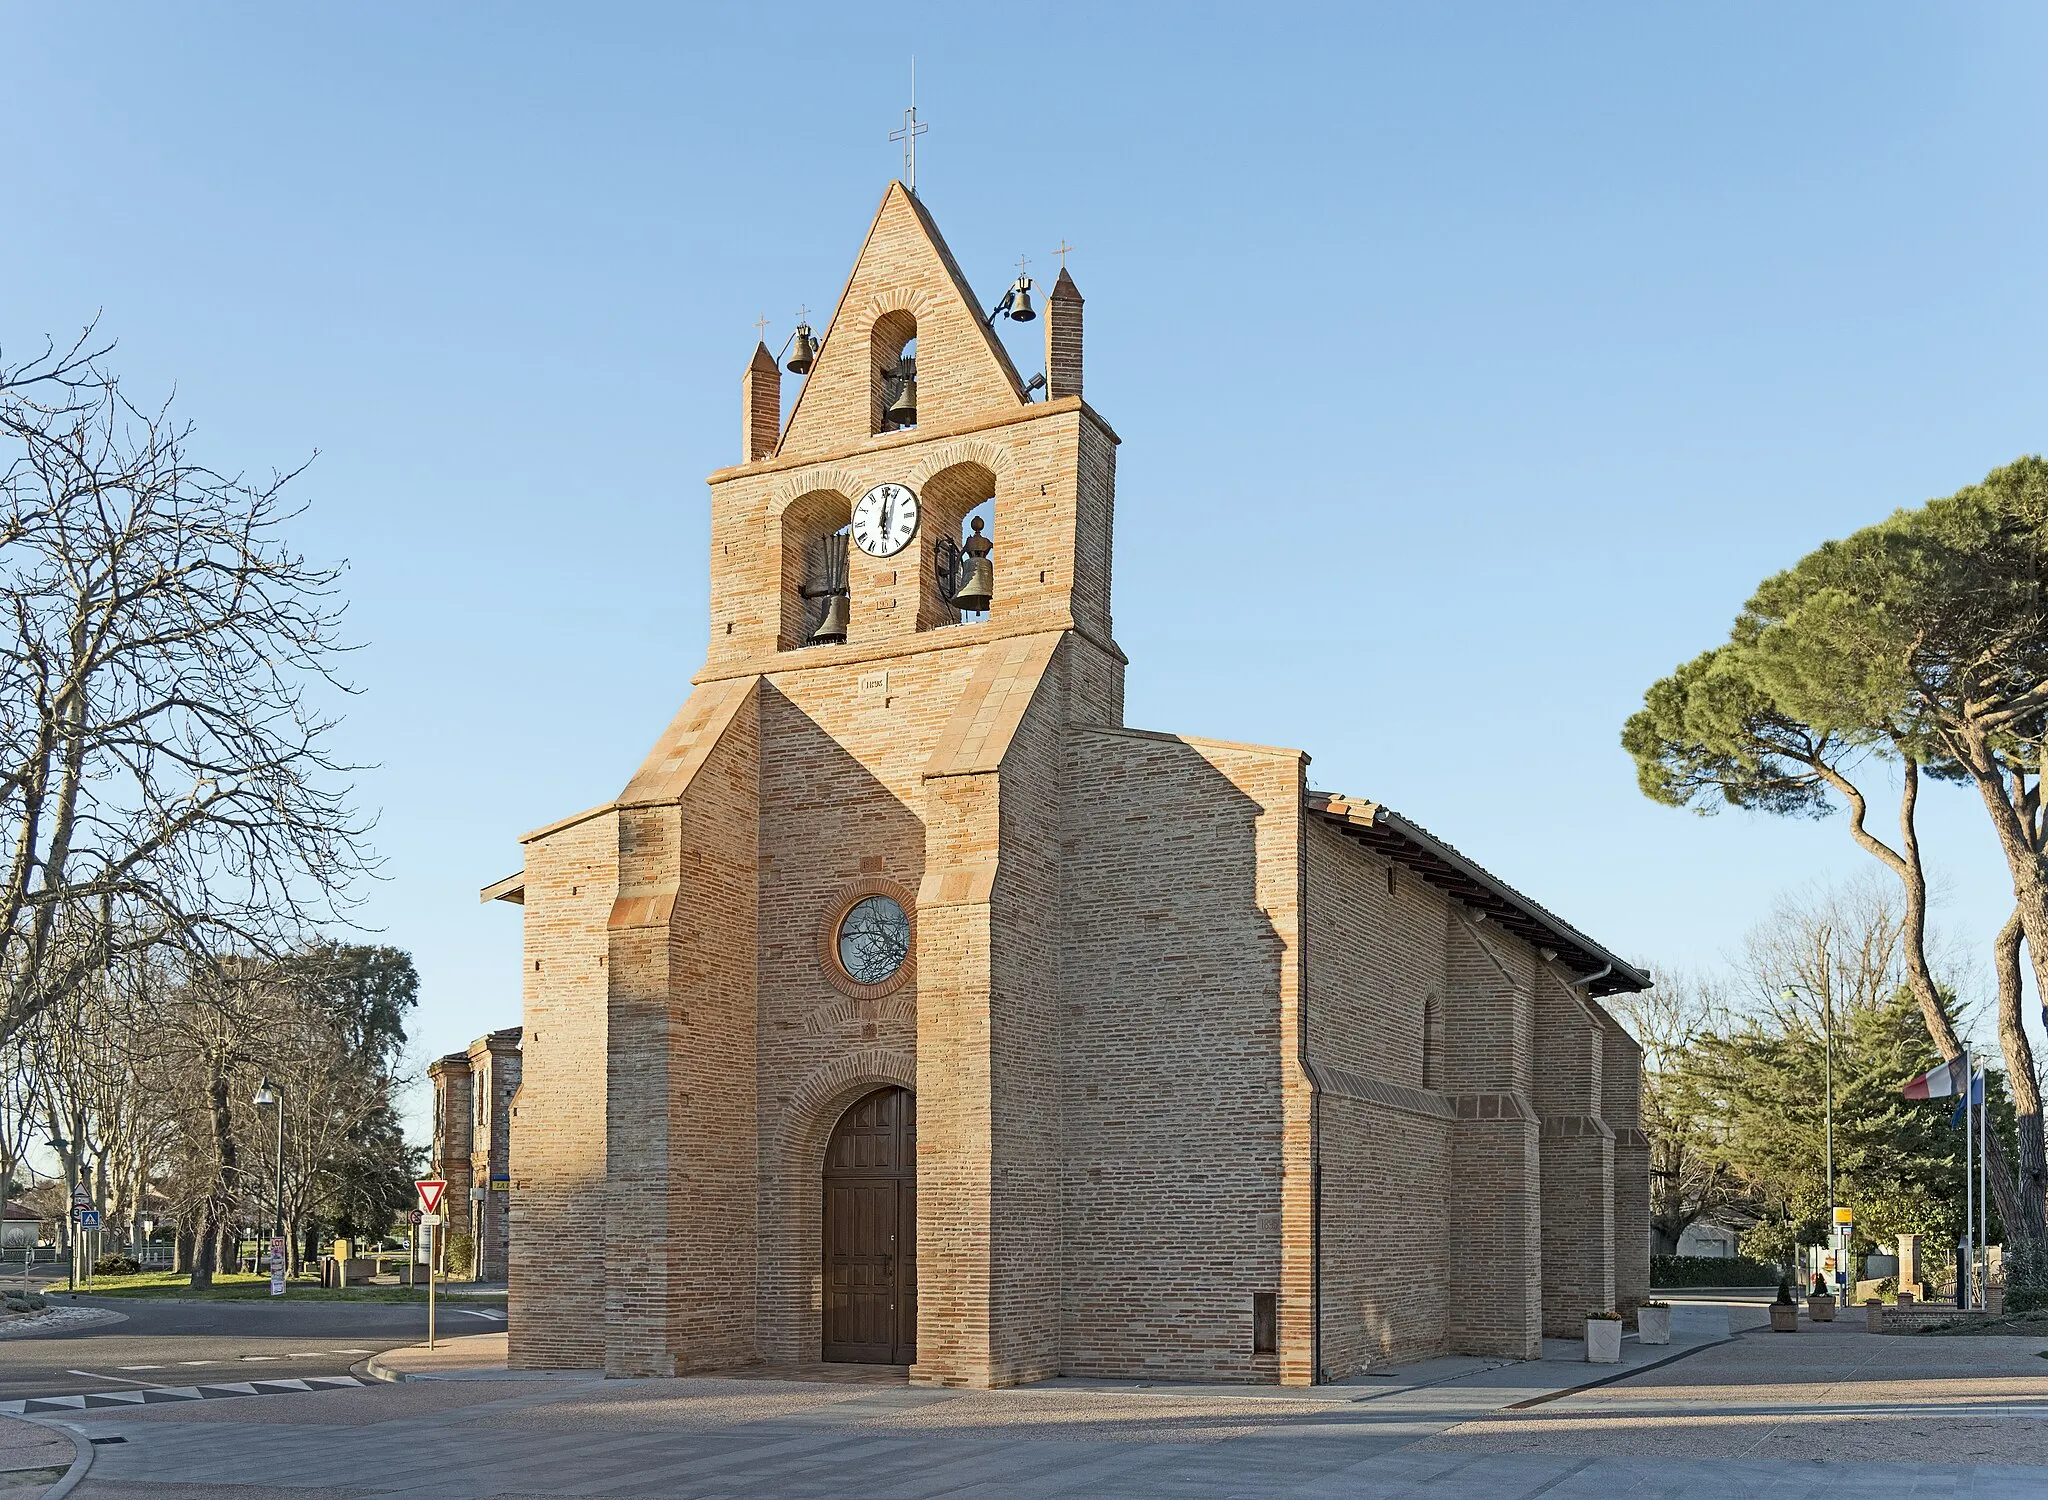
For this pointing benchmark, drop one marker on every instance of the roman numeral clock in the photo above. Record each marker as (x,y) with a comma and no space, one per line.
(885,519)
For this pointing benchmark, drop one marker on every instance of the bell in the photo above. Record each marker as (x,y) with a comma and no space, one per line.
(977,588)
(803,352)
(1020,301)
(831,630)
(902,411)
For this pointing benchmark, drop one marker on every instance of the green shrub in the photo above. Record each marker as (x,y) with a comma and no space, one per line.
(114,1265)
(1711,1270)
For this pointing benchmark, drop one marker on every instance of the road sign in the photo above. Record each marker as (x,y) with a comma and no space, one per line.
(430,1220)
(430,1190)
(277,1265)
(88,1218)
(80,1197)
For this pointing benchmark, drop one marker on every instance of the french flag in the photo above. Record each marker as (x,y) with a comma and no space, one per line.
(1942,1081)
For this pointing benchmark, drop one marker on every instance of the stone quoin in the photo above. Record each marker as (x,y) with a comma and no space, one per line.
(907,1006)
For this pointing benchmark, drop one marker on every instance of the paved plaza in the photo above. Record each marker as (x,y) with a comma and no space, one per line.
(1832,1411)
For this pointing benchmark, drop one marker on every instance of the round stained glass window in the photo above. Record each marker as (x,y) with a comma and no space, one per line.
(874,939)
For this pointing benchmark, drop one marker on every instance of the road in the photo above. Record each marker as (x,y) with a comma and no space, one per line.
(166,1343)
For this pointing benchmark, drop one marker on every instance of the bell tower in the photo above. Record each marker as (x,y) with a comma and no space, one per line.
(910,388)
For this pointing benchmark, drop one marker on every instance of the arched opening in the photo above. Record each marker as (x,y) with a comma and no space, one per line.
(814,566)
(892,351)
(952,499)
(870,1250)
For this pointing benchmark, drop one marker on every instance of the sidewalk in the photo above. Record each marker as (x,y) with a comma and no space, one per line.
(1480,1384)
(34,1457)
(1831,1411)
(468,1356)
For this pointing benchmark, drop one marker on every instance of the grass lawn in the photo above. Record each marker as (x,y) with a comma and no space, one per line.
(235,1286)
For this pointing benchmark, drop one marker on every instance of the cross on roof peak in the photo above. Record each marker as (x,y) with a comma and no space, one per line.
(910,132)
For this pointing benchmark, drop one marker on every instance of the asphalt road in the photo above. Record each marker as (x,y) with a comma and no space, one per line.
(188,1343)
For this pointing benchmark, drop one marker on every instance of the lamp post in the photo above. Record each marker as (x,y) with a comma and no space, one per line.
(1827,1009)
(266,1097)
(58,1144)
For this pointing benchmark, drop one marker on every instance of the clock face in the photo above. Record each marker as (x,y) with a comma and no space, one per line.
(885,519)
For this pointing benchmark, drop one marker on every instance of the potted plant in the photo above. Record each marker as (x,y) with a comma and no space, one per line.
(1603,1337)
(1653,1322)
(1820,1302)
(1784,1312)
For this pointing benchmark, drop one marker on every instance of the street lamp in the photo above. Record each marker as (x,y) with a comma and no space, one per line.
(1827,1009)
(59,1144)
(266,1097)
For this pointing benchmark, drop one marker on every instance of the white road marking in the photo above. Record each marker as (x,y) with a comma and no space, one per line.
(138,1367)
(493,1317)
(258,1358)
(96,1375)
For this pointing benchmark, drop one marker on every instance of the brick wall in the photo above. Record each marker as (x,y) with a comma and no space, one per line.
(1376,962)
(1496,1208)
(1578,1159)
(1621,1105)
(1174,1107)
(559,1193)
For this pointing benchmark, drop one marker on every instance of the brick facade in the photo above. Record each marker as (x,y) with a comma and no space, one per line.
(1188,1040)
(473,1103)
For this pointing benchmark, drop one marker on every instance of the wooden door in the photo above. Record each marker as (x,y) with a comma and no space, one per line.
(871,1232)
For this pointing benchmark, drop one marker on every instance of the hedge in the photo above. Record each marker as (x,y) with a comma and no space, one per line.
(1711,1270)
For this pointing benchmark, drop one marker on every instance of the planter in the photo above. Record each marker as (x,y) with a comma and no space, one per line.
(1603,1341)
(1821,1309)
(1653,1325)
(1784,1317)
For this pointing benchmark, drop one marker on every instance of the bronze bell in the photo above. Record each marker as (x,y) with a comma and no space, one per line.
(902,411)
(803,351)
(1020,301)
(977,574)
(831,630)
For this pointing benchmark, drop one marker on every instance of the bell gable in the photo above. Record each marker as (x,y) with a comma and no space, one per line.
(906,307)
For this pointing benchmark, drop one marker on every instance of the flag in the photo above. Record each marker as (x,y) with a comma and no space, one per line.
(1942,1081)
(1975,1101)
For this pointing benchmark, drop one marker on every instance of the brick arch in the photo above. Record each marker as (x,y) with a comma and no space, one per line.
(843,482)
(910,299)
(817,1103)
(793,1193)
(996,459)
(800,528)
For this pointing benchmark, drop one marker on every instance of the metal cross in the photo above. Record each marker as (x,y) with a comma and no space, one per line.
(908,135)
(761,327)
(910,132)
(1022,262)
(1063,251)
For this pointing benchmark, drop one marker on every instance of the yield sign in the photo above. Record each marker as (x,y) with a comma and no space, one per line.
(430,1190)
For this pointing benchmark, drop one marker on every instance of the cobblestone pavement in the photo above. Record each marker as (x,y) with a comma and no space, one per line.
(1832,1411)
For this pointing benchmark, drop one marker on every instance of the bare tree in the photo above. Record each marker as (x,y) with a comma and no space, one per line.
(1690,1176)
(163,666)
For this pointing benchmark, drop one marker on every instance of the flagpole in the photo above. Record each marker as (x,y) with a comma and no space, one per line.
(1969,1273)
(1984,1184)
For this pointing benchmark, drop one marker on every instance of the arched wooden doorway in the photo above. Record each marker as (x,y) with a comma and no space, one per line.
(871,1231)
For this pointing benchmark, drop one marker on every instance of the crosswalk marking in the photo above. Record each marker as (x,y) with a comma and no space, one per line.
(153,1395)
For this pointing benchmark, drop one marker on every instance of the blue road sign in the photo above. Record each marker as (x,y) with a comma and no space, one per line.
(88,1218)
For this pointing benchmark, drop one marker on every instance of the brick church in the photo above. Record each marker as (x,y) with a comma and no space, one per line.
(908,1007)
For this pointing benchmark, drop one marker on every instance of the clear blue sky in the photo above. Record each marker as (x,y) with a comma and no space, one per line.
(1472,362)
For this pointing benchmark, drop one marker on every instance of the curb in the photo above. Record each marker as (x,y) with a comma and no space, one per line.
(1655,1364)
(81,1457)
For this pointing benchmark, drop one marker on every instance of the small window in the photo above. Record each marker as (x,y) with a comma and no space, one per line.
(1265,1322)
